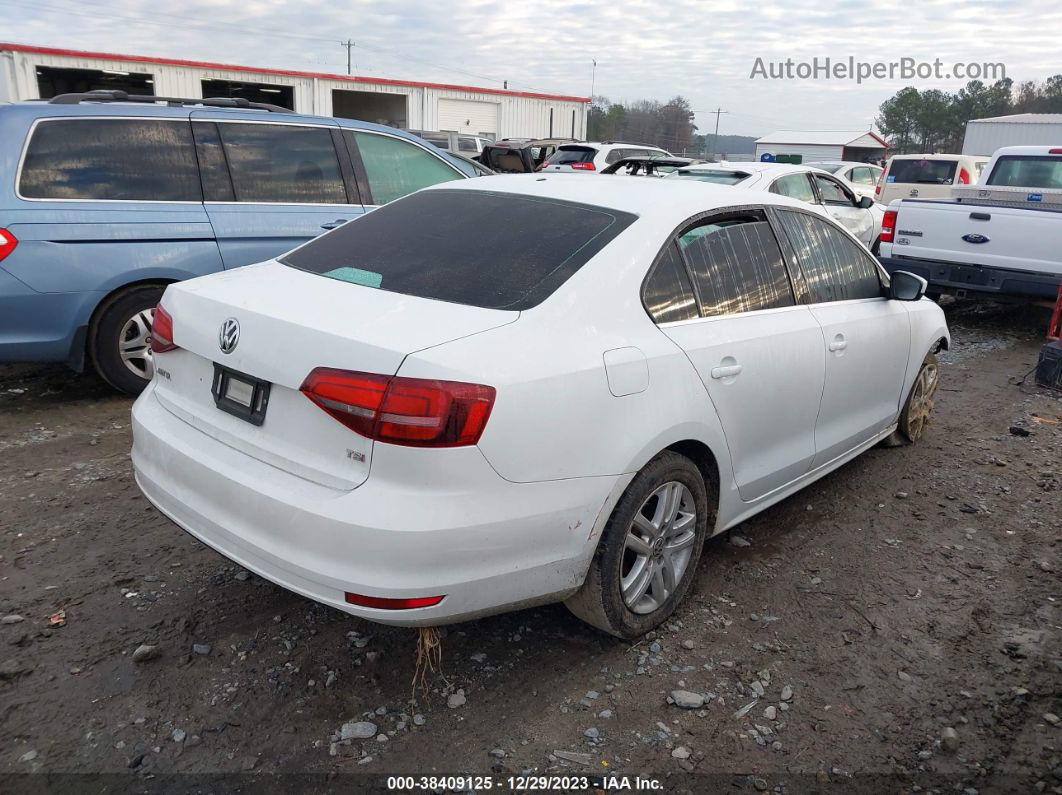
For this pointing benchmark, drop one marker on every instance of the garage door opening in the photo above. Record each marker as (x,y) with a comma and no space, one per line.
(284,96)
(389,109)
(53,80)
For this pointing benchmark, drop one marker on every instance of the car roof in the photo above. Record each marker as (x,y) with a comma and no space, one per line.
(938,157)
(642,197)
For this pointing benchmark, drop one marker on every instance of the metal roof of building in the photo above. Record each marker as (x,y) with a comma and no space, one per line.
(818,137)
(29,48)
(1024,118)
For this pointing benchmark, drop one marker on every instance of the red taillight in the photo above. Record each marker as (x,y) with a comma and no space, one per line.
(1054,151)
(964,177)
(382,603)
(162,331)
(409,411)
(888,226)
(881,181)
(7,243)
(583,166)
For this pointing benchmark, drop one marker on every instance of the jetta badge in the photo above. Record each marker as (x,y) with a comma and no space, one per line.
(975,238)
(229,336)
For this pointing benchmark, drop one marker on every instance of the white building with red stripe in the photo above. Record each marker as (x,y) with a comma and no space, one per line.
(31,72)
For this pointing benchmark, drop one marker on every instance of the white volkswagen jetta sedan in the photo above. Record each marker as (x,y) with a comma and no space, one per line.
(482,397)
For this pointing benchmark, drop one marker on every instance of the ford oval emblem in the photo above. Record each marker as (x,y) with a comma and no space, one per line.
(229,335)
(975,238)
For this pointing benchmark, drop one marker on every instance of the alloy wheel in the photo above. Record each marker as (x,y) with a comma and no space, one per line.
(134,344)
(921,405)
(658,547)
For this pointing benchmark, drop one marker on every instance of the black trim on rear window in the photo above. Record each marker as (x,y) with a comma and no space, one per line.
(478,248)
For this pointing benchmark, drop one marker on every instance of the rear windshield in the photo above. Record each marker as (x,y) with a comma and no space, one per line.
(717,177)
(572,154)
(1027,171)
(925,172)
(492,250)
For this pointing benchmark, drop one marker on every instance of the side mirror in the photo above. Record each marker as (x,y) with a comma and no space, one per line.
(865,203)
(907,286)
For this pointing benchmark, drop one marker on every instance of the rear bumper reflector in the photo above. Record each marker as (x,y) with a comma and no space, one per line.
(382,603)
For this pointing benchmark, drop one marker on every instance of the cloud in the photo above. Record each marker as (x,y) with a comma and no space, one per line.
(704,51)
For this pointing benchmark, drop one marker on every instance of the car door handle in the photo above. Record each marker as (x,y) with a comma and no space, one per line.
(334,224)
(726,372)
(839,343)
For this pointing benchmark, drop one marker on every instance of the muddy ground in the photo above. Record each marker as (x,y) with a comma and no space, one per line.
(914,591)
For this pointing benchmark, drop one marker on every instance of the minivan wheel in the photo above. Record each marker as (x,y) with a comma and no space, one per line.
(915,415)
(649,549)
(119,340)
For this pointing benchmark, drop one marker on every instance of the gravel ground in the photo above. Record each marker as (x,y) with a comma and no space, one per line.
(893,626)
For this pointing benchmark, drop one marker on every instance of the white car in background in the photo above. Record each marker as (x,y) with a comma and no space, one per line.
(404,418)
(862,178)
(859,215)
(596,157)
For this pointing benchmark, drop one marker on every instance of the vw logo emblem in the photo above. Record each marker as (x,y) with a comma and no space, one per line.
(229,336)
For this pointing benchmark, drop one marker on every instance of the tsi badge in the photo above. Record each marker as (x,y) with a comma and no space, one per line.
(229,336)
(975,238)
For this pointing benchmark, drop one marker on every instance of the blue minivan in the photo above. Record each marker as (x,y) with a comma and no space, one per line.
(105,198)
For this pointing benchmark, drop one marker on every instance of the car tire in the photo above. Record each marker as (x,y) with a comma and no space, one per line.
(118,338)
(643,549)
(919,404)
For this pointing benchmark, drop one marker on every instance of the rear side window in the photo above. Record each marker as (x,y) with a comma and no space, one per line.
(923,172)
(468,247)
(283,164)
(737,265)
(1027,171)
(111,160)
(863,175)
(395,167)
(835,267)
(572,154)
(466,143)
(668,294)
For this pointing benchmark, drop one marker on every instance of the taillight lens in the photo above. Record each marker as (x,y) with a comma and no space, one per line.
(964,176)
(7,243)
(583,166)
(888,226)
(162,331)
(414,412)
(881,181)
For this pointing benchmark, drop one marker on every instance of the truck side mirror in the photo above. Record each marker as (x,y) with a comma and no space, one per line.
(907,286)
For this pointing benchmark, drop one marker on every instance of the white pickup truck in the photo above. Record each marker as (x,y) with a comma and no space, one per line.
(1001,237)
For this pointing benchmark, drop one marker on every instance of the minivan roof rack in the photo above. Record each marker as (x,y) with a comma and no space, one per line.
(102,95)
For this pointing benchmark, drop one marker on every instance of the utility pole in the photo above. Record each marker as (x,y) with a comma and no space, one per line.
(593,77)
(350,46)
(715,138)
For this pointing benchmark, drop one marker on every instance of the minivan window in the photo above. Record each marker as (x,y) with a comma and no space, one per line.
(737,265)
(924,171)
(283,163)
(1028,171)
(668,294)
(469,247)
(111,160)
(395,167)
(835,267)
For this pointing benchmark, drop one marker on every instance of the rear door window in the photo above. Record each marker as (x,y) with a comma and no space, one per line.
(795,186)
(861,175)
(283,163)
(736,264)
(922,172)
(469,247)
(111,160)
(668,295)
(395,168)
(835,268)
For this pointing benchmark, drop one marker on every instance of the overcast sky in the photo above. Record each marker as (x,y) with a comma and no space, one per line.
(702,50)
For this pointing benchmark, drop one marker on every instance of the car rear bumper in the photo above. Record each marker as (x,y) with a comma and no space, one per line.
(958,278)
(485,543)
